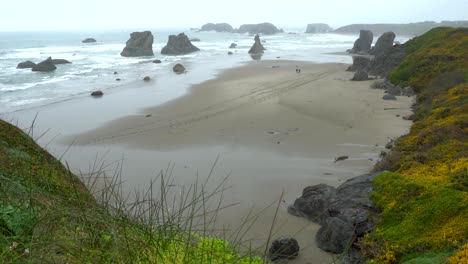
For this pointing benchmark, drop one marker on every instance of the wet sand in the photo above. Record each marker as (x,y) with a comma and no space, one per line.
(274,130)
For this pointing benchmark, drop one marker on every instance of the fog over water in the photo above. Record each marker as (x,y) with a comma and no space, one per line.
(113,14)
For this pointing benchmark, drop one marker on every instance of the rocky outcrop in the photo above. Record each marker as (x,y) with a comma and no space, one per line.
(384,43)
(382,64)
(318,28)
(139,44)
(60,61)
(45,66)
(26,65)
(344,213)
(284,248)
(178,68)
(263,28)
(360,75)
(88,40)
(359,64)
(363,44)
(218,27)
(179,45)
(97,93)
(233,46)
(257,47)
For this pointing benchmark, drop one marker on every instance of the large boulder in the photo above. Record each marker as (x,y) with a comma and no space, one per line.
(313,203)
(88,40)
(60,61)
(26,65)
(385,62)
(318,28)
(284,248)
(257,47)
(45,66)
(139,44)
(179,45)
(359,63)
(363,44)
(383,44)
(218,27)
(334,235)
(360,75)
(263,28)
(178,68)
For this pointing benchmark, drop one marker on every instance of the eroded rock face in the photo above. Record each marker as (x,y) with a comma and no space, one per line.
(383,44)
(359,63)
(263,28)
(45,66)
(140,44)
(360,75)
(257,47)
(363,43)
(284,248)
(179,45)
(385,62)
(218,27)
(26,65)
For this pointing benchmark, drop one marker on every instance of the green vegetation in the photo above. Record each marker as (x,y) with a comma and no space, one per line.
(47,215)
(424,200)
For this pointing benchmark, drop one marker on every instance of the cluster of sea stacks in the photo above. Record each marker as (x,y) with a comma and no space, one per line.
(47,65)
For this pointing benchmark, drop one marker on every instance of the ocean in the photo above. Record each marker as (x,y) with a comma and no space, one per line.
(93,65)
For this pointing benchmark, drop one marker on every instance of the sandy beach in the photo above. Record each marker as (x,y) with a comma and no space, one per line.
(272,129)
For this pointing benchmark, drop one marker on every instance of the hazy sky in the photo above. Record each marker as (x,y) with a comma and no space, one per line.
(115,14)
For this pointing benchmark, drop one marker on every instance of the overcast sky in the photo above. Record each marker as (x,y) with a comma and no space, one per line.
(115,14)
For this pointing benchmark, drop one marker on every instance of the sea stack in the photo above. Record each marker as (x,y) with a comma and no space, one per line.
(179,45)
(45,66)
(363,43)
(383,44)
(218,27)
(257,47)
(318,28)
(263,28)
(139,44)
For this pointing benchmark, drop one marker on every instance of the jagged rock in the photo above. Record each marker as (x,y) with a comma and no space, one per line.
(178,68)
(389,97)
(179,45)
(257,47)
(97,93)
(218,27)
(139,44)
(89,40)
(263,28)
(284,248)
(383,44)
(382,64)
(157,61)
(334,235)
(60,61)
(318,28)
(360,76)
(45,66)
(233,46)
(26,65)
(359,64)
(195,40)
(146,79)
(313,203)
(363,43)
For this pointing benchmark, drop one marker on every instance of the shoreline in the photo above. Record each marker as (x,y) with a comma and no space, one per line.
(240,116)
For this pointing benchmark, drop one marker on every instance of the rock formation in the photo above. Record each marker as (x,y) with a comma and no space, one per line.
(195,40)
(284,248)
(97,93)
(360,75)
(363,43)
(147,79)
(359,63)
(157,61)
(383,44)
(318,28)
(382,64)
(178,68)
(89,40)
(233,46)
(26,65)
(257,47)
(45,66)
(60,61)
(139,44)
(263,28)
(218,27)
(178,45)
(344,212)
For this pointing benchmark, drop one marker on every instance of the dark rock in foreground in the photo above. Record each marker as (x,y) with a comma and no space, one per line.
(179,45)
(97,93)
(26,65)
(89,40)
(218,27)
(360,75)
(383,44)
(284,248)
(344,212)
(257,47)
(363,44)
(178,68)
(45,66)
(318,28)
(263,28)
(359,63)
(139,44)
(60,61)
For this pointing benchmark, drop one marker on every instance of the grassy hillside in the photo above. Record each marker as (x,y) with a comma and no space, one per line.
(424,200)
(48,216)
